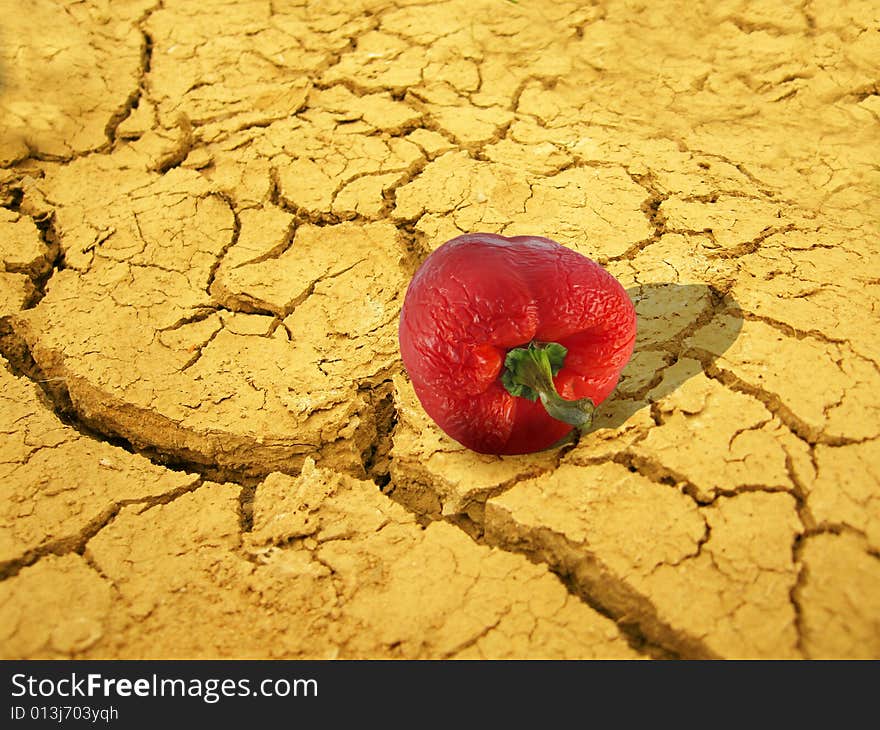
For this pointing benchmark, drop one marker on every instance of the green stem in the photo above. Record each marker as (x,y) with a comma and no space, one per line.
(529,374)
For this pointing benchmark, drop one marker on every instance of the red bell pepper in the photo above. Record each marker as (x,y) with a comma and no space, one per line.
(512,342)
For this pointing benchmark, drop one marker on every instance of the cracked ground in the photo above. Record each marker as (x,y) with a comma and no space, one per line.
(210,213)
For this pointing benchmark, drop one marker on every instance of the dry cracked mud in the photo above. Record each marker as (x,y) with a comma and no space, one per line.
(209,214)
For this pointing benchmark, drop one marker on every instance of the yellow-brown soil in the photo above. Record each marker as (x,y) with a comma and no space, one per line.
(210,213)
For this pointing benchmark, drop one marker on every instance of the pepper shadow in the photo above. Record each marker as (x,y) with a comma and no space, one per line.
(681,330)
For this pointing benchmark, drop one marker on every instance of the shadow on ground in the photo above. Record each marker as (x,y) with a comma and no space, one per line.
(668,316)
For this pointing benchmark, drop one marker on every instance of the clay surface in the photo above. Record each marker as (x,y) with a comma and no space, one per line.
(209,214)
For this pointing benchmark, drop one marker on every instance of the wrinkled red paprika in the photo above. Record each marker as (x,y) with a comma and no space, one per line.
(512,342)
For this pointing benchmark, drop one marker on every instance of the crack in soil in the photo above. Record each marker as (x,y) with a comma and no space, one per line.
(77,543)
(134,97)
(20,362)
(810,435)
(655,216)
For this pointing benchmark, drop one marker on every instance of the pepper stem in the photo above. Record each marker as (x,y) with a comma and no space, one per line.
(529,374)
